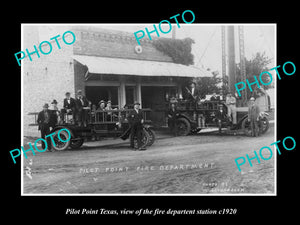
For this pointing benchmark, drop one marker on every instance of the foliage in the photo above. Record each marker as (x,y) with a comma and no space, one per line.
(254,67)
(209,85)
(178,49)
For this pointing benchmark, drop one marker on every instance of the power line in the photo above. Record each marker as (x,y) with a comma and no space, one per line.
(208,44)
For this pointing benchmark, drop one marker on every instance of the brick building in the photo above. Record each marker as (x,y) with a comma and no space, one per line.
(104,64)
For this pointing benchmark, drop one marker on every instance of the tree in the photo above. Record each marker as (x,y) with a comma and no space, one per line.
(209,85)
(178,49)
(254,67)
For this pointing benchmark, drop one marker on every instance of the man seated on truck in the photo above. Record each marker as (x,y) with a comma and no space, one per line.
(110,115)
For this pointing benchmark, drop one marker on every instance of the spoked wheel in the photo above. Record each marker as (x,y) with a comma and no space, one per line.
(77,143)
(62,140)
(183,127)
(145,140)
(151,134)
(263,125)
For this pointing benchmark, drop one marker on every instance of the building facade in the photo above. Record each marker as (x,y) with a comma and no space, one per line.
(105,64)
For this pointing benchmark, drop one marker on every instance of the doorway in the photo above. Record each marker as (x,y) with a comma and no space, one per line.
(97,93)
(130,95)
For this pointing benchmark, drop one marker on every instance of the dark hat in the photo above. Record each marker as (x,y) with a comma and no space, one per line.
(46,105)
(136,103)
(193,82)
(67,93)
(79,91)
(173,100)
(54,102)
(102,101)
(109,101)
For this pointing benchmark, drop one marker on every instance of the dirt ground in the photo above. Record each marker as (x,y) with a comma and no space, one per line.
(197,164)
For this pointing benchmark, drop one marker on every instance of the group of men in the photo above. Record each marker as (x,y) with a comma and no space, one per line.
(193,96)
(48,118)
(77,107)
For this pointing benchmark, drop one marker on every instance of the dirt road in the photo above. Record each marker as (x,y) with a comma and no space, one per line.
(199,164)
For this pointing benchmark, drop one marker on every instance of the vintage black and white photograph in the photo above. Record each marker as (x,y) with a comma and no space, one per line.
(148,109)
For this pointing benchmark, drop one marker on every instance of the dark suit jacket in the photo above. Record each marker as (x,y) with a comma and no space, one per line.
(41,119)
(72,104)
(195,96)
(135,118)
(173,114)
(253,112)
(79,103)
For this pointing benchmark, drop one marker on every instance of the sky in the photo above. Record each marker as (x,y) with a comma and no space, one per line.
(207,49)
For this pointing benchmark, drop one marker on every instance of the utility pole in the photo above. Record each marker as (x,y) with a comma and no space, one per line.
(223,58)
(242,63)
(174,32)
(231,60)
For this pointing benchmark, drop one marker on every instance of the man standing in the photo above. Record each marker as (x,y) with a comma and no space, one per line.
(230,102)
(253,117)
(54,113)
(136,121)
(172,118)
(193,93)
(82,114)
(44,120)
(69,107)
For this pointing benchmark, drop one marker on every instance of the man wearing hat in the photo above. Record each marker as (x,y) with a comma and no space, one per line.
(81,103)
(109,107)
(44,121)
(135,119)
(101,105)
(231,107)
(173,114)
(253,117)
(69,107)
(101,116)
(192,92)
(54,113)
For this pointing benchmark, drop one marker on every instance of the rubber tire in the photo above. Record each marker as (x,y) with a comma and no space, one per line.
(186,123)
(151,136)
(58,142)
(76,144)
(145,139)
(267,126)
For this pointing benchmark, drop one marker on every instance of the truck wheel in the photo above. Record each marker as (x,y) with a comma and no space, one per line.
(76,143)
(64,135)
(145,140)
(263,125)
(151,136)
(183,127)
